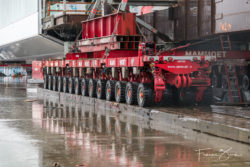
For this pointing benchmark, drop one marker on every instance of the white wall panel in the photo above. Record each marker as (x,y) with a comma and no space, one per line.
(22,29)
(14,10)
(20,37)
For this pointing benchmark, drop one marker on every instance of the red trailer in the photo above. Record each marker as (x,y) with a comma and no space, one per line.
(111,62)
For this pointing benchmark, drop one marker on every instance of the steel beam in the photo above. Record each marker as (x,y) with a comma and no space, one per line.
(147,2)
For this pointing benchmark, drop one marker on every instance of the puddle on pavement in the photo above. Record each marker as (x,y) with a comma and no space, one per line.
(43,132)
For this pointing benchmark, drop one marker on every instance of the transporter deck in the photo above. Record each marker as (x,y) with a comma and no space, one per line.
(196,118)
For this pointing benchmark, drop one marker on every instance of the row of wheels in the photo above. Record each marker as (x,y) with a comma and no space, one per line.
(129,92)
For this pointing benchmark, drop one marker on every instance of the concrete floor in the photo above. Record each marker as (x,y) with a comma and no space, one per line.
(40,132)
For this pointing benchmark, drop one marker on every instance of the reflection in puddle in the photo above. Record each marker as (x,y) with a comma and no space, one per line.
(40,133)
(17,148)
(13,80)
(103,138)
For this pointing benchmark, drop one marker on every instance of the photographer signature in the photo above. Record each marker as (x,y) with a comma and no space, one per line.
(221,155)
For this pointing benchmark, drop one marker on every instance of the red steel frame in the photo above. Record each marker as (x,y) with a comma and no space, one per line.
(173,68)
(178,68)
(104,26)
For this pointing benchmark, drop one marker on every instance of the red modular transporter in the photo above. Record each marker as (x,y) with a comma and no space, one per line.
(113,64)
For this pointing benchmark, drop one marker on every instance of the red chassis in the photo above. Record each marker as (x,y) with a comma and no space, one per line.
(178,71)
(113,63)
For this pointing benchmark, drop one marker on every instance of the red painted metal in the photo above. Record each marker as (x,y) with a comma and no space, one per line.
(22,65)
(182,66)
(217,54)
(200,93)
(37,70)
(159,87)
(76,56)
(104,26)
(168,69)
(116,34)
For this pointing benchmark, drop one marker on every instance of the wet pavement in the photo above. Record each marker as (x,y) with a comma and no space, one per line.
(42,132)
(218,114)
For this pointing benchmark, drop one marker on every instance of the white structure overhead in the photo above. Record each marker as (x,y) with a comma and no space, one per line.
(20,32)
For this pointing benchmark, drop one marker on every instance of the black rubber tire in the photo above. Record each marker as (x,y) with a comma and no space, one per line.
(92,88)
(146,98)
(65,84)
(71,85)
(50,80)
(77,86)
(245,83)
(184,96)
(120,92)
(110,91)
(45,84)
(167,95)
(131,93)
(100,89)
(60,84)
(85,87)
(55,80)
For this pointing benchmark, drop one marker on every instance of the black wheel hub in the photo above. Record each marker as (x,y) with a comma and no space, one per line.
(119,92)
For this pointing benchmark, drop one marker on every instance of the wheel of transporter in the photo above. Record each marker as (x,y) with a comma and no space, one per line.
(110,91)
(85,87)
(92,88)
(50,82)
(55,80)
(144,95)
(131,93)
(120,92)
(184,96)
(65,84)
(60,84)
(71,85)
(77,86)
(45,84)
(100,89)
